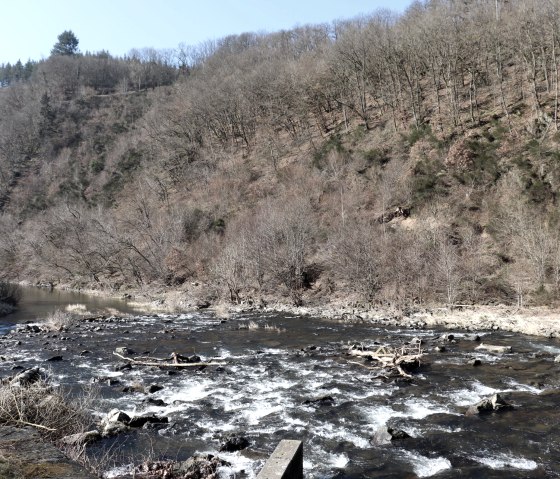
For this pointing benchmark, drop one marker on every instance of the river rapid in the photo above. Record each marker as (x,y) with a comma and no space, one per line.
(274,363)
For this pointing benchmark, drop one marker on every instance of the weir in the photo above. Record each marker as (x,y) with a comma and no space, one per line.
(286,462)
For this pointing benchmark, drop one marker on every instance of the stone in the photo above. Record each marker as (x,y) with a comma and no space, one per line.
(140,421)
(153,388)
(54,359)
(115,415)
(234,443)
(113,428)
(322,401)
(155,402)
(124,351)
(386,435)
(494,403)
(200,466)
(27,377)
(81,438)
(123,367)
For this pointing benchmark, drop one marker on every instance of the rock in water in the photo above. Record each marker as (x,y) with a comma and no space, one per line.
(322,401)
(124,351)
(488,405)
(386,435)
(234,443)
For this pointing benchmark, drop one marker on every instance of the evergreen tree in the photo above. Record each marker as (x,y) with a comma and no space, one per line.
(67,44)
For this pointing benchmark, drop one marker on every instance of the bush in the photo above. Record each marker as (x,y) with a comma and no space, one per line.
(59,320)
(10,293)
(43,407)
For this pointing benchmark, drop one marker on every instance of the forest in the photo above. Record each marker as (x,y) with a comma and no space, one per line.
(390,159)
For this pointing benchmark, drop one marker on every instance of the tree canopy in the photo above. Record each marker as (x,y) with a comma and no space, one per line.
(67,44)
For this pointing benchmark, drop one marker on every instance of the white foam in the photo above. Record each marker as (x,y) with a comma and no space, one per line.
(421,408)
(119,471)
(427,467)
(466,397)
(330,431)
(190,391)
(338,461)
(259,410)
(504,461)
(238,463)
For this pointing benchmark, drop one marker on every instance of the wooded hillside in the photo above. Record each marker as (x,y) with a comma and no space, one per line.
(392,158)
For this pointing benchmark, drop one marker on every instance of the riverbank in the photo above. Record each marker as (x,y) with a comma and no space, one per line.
(535,321)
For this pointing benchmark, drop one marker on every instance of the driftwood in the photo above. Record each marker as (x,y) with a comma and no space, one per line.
(491,348)
(395,358)
(164,363)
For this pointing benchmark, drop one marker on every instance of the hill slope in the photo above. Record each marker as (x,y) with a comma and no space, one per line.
(400,159)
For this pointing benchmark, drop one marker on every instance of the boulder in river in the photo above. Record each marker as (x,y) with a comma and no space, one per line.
(234,443)
(153,388)
(494,403)
(386,435)
(114,423)
(140,421)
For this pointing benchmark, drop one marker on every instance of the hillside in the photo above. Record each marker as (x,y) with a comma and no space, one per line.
(400,160)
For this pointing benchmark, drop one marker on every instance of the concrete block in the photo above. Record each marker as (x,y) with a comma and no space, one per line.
(286,462)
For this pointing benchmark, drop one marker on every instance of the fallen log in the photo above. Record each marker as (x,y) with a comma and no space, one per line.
(160,363)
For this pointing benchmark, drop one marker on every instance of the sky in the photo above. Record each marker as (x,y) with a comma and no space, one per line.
(30,27)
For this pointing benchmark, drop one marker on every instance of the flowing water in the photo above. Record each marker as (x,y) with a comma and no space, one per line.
(276,362)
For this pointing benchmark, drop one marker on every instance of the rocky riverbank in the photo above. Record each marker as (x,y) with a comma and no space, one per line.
(24,455)
(535,321)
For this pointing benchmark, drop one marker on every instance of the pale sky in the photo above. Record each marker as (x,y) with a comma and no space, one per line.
(30,27)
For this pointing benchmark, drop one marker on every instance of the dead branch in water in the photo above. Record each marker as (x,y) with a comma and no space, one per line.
(160,363)
(392,358)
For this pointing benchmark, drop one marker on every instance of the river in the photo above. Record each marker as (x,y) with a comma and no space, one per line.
(276,362)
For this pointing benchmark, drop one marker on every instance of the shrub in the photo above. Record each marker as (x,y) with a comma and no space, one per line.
(59,320)
(45,408)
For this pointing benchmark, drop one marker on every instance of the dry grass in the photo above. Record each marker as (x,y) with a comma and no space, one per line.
(46,408)
(77,308)
(253,326)
(59,320)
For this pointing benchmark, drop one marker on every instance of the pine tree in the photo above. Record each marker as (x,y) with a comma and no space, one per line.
(67,44)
